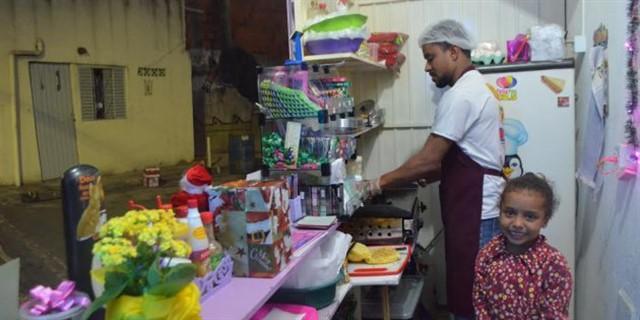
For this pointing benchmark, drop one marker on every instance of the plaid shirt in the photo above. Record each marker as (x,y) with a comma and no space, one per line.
(535,284)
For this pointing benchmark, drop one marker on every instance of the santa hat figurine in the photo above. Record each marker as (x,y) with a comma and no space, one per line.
(193,184)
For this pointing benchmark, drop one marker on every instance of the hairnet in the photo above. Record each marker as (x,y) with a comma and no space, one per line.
(449,31)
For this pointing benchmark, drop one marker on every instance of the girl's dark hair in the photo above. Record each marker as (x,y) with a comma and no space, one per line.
(536,183)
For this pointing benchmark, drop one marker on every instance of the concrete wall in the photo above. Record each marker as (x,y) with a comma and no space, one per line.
(150,33)
(607,234)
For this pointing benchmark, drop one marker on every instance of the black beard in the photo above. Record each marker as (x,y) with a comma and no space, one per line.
(441,84)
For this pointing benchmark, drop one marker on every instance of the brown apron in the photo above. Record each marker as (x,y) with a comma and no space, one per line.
(461,186)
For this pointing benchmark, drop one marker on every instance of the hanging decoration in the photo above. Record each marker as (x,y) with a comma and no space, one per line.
(632,73)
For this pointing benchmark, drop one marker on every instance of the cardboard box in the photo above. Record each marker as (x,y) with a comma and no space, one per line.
(252,224)
(151,177)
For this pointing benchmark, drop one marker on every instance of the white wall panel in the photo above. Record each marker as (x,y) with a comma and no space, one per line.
(414,67)
(551,11)
(385,150)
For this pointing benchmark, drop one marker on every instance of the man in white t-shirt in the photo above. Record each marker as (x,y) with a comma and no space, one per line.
(465,152)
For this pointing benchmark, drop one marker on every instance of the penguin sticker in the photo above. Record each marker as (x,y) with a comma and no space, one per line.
(512,167)
(515,136)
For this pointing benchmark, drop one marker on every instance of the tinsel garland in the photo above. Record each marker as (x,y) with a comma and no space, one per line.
(632,73)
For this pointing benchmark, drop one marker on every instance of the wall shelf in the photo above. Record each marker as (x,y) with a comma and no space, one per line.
(353,132)
(346,61)
(242,297)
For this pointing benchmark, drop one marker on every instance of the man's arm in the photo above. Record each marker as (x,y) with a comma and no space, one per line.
(423,165)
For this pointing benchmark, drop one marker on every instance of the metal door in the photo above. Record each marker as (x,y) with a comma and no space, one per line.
(53,113)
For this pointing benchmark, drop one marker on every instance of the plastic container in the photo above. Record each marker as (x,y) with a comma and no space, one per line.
(317,297)
(403,299)
(335,22)
(327,46)
(75,313)
(197,235)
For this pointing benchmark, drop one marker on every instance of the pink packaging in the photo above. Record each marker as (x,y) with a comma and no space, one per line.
(310,313)
(518,49)
(373,50)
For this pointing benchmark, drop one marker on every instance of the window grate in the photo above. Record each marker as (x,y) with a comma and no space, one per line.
(102,93)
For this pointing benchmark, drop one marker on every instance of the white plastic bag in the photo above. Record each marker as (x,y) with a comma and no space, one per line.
(322,265)
(547,42)
(338,171)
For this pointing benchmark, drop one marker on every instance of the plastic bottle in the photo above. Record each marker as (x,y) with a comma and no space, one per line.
(354,168)
(197,234)
(181,214)
(216,253)
(323,201)
(207,223)
(198,239)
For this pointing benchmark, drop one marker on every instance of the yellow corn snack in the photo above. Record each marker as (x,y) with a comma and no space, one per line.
(358,253)
(382,256)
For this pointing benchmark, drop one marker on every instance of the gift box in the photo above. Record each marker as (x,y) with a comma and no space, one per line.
(252,224)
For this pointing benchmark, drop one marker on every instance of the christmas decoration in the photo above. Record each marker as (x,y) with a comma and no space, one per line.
(632,73)
(192,185)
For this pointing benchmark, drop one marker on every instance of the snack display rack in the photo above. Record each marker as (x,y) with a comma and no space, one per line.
(310,121)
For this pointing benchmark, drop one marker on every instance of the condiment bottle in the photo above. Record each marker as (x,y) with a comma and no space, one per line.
(216,252)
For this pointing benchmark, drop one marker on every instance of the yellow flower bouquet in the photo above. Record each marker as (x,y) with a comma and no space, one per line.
(141,279)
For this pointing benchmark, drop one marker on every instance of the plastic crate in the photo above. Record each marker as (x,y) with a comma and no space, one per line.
(403,299)
(216,279)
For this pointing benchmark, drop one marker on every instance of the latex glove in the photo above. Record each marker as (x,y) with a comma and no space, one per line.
(372,187)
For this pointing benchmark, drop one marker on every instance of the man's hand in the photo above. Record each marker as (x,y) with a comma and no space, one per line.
(369,188)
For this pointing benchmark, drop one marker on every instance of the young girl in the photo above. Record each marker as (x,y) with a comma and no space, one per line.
(518,275)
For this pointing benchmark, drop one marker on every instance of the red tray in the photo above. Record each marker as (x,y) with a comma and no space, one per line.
(369,270)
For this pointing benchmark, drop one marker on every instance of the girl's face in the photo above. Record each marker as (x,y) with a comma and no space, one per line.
(522,215)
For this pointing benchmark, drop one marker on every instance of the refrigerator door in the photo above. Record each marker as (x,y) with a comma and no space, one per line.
(539,127)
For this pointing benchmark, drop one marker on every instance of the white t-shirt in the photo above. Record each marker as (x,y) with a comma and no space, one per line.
(469,115)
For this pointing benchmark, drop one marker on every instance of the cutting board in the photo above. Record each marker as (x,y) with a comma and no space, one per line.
(363,269)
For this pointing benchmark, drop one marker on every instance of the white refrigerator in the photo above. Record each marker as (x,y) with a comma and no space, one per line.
(538,105)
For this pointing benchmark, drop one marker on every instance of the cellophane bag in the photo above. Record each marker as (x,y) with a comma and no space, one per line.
(547,42)
(518,49)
